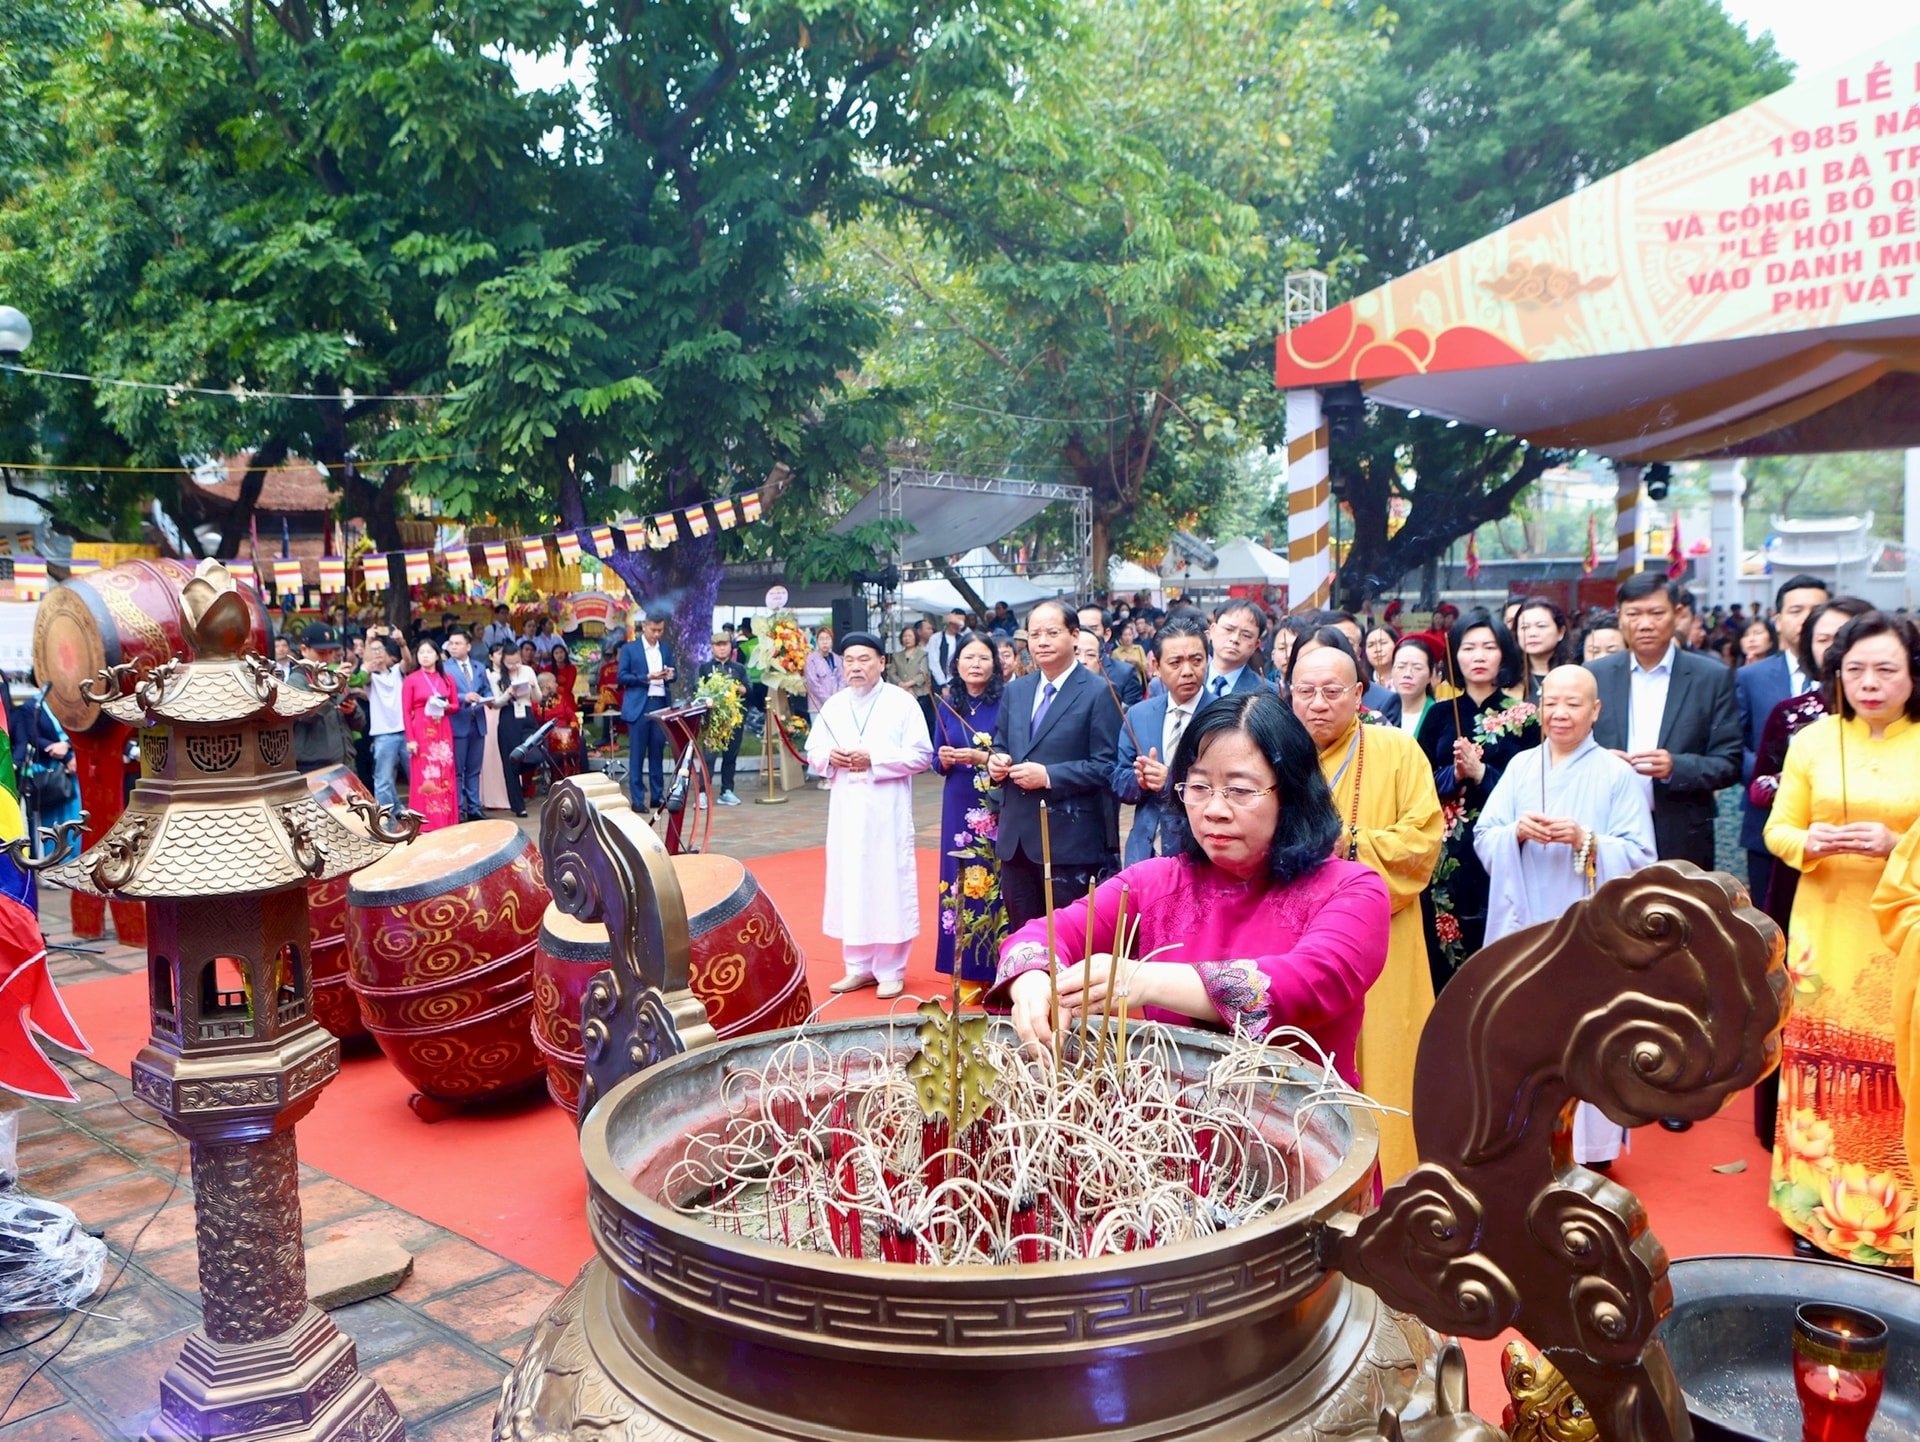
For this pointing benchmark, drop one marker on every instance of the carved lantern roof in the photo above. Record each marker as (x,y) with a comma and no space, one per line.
(219,808)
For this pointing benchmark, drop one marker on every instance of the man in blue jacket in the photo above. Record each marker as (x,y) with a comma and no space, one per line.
(645,675)
(469,722)
(1757,689)
(1158,723)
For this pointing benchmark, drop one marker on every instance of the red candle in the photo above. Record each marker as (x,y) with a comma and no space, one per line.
(1839,1370)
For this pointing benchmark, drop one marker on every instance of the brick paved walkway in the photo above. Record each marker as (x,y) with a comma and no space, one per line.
(440,1344)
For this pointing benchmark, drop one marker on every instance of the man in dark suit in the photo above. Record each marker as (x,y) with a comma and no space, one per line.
(469,722)
(1126,681)
(1234,637)
(1158,723)
(1056,742)
(646,672)
(1670,714)
(1757,689)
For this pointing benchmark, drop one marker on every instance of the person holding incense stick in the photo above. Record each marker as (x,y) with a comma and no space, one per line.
(1390,821)
(869,741)
(1055,742)
(1142,779)
(972,916)
(1566,817)
(1842,1180)
(1253,924)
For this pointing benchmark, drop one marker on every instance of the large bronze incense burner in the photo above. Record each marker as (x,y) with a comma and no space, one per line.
(1659,997)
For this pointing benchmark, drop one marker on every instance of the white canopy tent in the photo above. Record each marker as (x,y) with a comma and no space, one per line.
(1242,562)
(985,572)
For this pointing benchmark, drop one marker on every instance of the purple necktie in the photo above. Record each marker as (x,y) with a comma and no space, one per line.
(1046,700)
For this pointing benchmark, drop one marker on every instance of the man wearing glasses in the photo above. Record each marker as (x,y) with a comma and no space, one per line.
(1056,741)
(1235,636)
(1390,820)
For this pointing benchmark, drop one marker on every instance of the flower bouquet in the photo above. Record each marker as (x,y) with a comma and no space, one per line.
(781,655)
(722,695)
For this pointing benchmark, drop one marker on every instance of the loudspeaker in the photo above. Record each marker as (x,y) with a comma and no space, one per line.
(849,614)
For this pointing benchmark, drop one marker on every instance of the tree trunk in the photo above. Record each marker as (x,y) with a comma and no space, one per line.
(1102,548)
(685,579)
(238,519)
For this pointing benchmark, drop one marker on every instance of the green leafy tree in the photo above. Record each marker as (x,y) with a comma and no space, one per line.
(1096,297)
(1481,113)
(664,340)
(262,197)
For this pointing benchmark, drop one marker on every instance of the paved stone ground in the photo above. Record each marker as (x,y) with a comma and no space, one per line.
(440,1344)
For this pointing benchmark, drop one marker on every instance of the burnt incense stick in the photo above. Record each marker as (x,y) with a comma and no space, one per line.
(1120,706)
(1053,958)
(1086,966)
(1106,1002)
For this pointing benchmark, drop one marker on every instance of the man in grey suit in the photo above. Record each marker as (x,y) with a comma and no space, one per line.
(1158,723)
(1671,715)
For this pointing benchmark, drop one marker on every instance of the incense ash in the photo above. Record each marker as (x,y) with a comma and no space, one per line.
(1114,1150)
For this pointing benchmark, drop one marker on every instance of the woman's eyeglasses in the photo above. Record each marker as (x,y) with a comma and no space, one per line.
(1199,793)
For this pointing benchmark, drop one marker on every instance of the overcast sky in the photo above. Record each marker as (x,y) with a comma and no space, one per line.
(1817,33)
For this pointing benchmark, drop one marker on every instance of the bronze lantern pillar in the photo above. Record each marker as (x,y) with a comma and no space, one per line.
(220,839)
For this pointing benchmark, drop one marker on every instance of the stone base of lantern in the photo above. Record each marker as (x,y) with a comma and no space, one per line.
(302,1385)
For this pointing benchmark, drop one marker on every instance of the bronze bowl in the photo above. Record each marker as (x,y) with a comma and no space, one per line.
(1245,1334)
(1730,1335)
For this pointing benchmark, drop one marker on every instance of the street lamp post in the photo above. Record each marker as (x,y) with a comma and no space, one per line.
(16,332)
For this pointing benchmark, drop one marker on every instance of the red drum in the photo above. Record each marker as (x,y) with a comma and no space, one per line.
(745,966)
(333,1004)
(125,613)
(440,944)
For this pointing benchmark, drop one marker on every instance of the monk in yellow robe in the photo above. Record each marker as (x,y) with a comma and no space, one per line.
(1389,820)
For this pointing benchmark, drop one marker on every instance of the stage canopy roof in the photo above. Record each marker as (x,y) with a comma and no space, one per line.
(1753,289)
(948,513)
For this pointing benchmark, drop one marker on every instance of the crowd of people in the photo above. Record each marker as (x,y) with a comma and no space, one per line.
(1324,816)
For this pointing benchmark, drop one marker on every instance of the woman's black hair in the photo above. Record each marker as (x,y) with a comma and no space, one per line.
(1865,627)
(1308,825)
(1425,648)
(1773,634)
(1512,663)
(957,689)
(1562,653)
(1848,606)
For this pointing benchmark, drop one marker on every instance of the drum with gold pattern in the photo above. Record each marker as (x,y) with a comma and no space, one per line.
(121,614)
(440,945)
(334,1006)
(745,966)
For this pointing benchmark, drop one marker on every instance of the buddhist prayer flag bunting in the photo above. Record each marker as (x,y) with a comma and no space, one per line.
(83,565)
(665,529)
(603,541)
(419,567)
(569,544)
(750,507)
(534,548)
(496,556)
(242,572)
(29,577)
(696,519)
(333,574)
(723,513)
(373,569)
(460,565)
(286,574)
(636,534)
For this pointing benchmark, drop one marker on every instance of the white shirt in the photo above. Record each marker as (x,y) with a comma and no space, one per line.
(939,665)
(1210,692)
(498,633)
(383,702)
(1647,697)
(1796,678)
(1178,719)
(1059,684)
(651,651)
(1411,716)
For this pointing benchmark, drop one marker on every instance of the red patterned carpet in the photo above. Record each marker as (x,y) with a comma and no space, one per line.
(509,1178)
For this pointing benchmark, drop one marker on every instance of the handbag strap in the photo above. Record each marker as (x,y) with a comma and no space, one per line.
(59,731)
